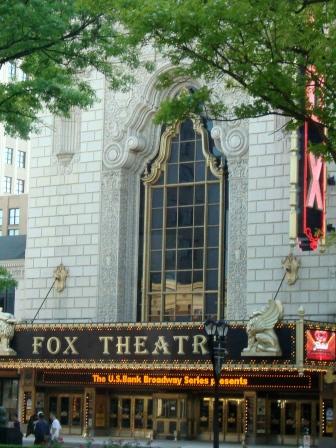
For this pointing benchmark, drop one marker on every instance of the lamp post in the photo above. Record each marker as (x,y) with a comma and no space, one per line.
(216,332)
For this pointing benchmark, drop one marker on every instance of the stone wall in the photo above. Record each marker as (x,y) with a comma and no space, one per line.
(63,218)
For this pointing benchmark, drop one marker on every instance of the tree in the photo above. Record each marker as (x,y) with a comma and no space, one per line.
(6,279)
(271,49)
(47,45)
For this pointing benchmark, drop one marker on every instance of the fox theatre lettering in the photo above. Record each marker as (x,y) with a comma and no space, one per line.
(123,345)
(130,342)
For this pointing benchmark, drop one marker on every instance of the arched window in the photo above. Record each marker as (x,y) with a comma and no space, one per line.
(183,228)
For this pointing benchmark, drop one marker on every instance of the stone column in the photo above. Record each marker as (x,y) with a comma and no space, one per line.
(237,239)
(118,251)
(232,139)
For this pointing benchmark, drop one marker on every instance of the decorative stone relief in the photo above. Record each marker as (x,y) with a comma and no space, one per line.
(66,140)
(60,276)
(116,248)
(111,181)
(262,339)
(111,155)
(232,139)
(237,239)
(16,269)
(291,265)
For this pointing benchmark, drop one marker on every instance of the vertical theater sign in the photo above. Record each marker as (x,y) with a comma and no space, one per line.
(312,175)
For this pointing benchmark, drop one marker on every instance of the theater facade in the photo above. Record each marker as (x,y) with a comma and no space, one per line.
(156,381)
(137,234)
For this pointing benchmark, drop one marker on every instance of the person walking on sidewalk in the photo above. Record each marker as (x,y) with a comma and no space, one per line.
(55,429)
(41,430)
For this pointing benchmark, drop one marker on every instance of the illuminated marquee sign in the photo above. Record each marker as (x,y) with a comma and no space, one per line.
(312,180)
(174,379)
(165,380)
(124,345)
(320,345)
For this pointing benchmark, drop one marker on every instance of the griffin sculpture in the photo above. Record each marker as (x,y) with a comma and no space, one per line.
(262,340)
(7,322)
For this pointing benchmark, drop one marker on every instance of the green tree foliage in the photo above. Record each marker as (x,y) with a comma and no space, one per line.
(6,279)
(52,43)
(264,47)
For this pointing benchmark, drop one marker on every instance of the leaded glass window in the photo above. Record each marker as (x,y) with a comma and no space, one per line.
(183,228)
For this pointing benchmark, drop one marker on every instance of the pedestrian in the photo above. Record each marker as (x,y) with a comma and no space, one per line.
(55,428)
(41,430)
(16,437)
(31,424)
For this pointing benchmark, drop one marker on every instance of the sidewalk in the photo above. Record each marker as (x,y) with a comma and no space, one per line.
(103,441)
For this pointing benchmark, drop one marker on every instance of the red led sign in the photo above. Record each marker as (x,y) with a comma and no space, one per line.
(320,345)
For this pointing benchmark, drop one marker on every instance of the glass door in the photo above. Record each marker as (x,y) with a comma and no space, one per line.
(230,419)
(171,416)
(275,427)
(132,416)
(125,413)
(69,410)
(64,411)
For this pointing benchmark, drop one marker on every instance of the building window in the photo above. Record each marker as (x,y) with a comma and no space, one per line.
(7,184)
(7,300)
(14,216)
(21,159)
(12,71)
(1,216)
(13,232)
(183,269)
(9,155)
(19,186)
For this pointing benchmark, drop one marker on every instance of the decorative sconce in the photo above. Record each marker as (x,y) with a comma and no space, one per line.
(60,276)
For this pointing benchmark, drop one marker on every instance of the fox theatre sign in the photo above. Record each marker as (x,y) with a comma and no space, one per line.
(150,346)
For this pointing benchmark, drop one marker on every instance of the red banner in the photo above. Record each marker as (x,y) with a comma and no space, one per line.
(320,345)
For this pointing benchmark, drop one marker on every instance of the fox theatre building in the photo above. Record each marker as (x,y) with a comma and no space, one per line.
(156,381)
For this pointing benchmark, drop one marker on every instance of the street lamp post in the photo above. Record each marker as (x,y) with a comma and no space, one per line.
(216,332)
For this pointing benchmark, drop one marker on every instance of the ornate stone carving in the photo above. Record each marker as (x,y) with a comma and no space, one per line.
(238,168)
(262,339)
(330,376)
(291,265)
(117,273)
(60,276)
(7,322)
(136,143)
(66,139)
(232,139)
(237,239)
(112,155)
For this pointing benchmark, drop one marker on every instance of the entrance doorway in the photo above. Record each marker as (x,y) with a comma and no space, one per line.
(170,416)
(230,418)
(68,409)
(160,416)
(130,416)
